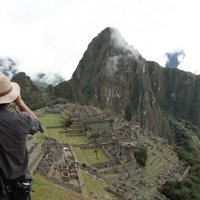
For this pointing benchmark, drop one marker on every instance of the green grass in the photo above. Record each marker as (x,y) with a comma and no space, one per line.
(79,154)
(55,120)
(46,190)
(88,156)
(76,140)
(95,187)
(51,120)
(62,137)
(54,133)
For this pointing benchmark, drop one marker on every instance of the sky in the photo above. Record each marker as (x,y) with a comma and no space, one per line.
(51,36)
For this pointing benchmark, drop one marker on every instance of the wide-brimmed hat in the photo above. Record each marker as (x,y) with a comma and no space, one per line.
(9,91)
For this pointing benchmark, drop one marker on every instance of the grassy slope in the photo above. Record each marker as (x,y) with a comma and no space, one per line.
(88,156)
(51,119)
(62,137)
(95,187)
(45,190)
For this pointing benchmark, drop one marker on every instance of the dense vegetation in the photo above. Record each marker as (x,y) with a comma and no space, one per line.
(29,92)
(186,140)
(141,156)
(189,188)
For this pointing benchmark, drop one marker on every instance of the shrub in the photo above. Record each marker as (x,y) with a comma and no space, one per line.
(141,156)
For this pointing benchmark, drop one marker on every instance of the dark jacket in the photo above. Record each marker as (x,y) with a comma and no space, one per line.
(14,128)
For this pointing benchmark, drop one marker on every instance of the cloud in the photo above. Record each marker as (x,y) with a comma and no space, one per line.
(111,65)
(8,67)
(52,35)
(45,79)
(120,43)
(174,58)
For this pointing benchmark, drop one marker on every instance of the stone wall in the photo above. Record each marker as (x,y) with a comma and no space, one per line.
(76,188)
(35,157)
(60,165)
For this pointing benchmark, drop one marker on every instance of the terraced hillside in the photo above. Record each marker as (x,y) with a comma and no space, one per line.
(104,150)
(46,190)
(74,137)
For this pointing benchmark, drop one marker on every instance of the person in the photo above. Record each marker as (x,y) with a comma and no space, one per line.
(15,179)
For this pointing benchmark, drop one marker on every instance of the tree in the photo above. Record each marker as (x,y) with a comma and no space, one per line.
(128,112)
(141,156)
(95,151)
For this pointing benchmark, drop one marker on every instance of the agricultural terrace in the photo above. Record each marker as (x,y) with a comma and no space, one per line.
(94,188)
(54,128)
(46,190)
(90,156)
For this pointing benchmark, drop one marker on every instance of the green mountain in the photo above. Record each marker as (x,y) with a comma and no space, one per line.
(29,91)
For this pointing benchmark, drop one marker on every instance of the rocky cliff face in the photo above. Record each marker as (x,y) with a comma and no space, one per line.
(114,75)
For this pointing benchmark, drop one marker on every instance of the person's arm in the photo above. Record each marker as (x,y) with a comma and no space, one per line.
(35,124)
(23,107)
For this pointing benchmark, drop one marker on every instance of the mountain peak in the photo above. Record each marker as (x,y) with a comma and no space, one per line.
(117,42)
(105,53)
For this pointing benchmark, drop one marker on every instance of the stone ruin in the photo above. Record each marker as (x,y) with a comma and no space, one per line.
(59,164)
(119,138)
(54,109)
(35,152)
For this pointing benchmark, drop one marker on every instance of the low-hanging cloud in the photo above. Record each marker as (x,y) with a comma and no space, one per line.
(174,58)
(8,67)
(126,50)
(43,79)
(120,43)
(111,65)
